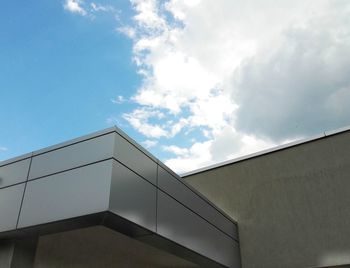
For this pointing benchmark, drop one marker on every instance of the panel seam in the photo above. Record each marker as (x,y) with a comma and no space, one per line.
(157,200)
(67,145)
(200,195)
(200,216)
(70,169)
(24,191)
(14,162)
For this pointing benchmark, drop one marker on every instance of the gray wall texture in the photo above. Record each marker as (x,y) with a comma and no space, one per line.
(292,206)
(100,247)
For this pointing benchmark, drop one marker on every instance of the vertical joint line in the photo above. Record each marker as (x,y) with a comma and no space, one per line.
(24,191)
(157,199)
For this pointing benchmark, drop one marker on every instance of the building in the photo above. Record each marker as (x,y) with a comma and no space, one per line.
(292,203)
(103,201)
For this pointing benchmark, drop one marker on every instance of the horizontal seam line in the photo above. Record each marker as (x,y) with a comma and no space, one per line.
(70,169)
(67,145)
(136,147)
(204,199)
(112,158)
(92,163)
(199,215)
(235,224)
(136,173)
(14,162)
(15,184)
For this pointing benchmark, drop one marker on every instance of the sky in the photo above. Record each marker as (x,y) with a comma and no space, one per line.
(196,82)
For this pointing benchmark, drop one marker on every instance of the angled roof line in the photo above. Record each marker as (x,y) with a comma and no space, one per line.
(323,135)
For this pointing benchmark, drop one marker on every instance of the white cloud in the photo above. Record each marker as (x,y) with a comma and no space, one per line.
(101,8)
(226,145)
(176,150)
(302,87)
(148,15)
(90,9)
(75,6)
(119,100)
(198,155)
(139,120)
(3,149)
(128,31)
(247,74)
(149,143)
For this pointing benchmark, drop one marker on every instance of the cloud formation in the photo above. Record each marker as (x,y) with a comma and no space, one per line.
(302,86)
(235,77)
(75,6)
(88,8)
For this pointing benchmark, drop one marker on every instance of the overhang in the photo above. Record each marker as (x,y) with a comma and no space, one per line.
(106,178)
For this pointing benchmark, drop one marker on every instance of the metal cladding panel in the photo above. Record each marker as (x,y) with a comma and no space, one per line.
(14,173)
(10,203)
(177,223)
(136,160)
(71,156)
(183,194)
(132,197)
(69,194)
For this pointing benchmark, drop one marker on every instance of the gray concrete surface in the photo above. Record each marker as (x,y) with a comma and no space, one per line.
(6,253)
(18,253)
(100,247)
(292,206)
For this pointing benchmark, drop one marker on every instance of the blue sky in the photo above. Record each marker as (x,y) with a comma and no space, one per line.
(196,81)
(59,72)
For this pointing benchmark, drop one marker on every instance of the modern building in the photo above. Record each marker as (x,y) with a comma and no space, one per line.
(103,201)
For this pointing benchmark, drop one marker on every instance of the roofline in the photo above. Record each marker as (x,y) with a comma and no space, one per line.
(323,135)
(186,174)
(113,129)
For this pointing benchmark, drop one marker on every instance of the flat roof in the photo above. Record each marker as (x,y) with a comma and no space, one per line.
(323,135)
(78,140)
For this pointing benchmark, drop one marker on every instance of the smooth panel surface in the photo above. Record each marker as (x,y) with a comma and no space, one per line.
(132,197)
(180,192)
(15,159)
(136,160)
(72,156)
(10,203)
(76,140)
(184,227)
(69,194)
(14,173)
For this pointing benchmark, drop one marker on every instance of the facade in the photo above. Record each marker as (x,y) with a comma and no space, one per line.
(103,201)
(292,203)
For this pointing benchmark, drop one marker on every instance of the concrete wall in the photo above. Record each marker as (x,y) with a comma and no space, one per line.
(6,253)
(18,253)
(292,206)
(103,248)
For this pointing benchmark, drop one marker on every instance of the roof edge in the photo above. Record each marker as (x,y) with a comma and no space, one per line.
(92,135)
(288,145)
